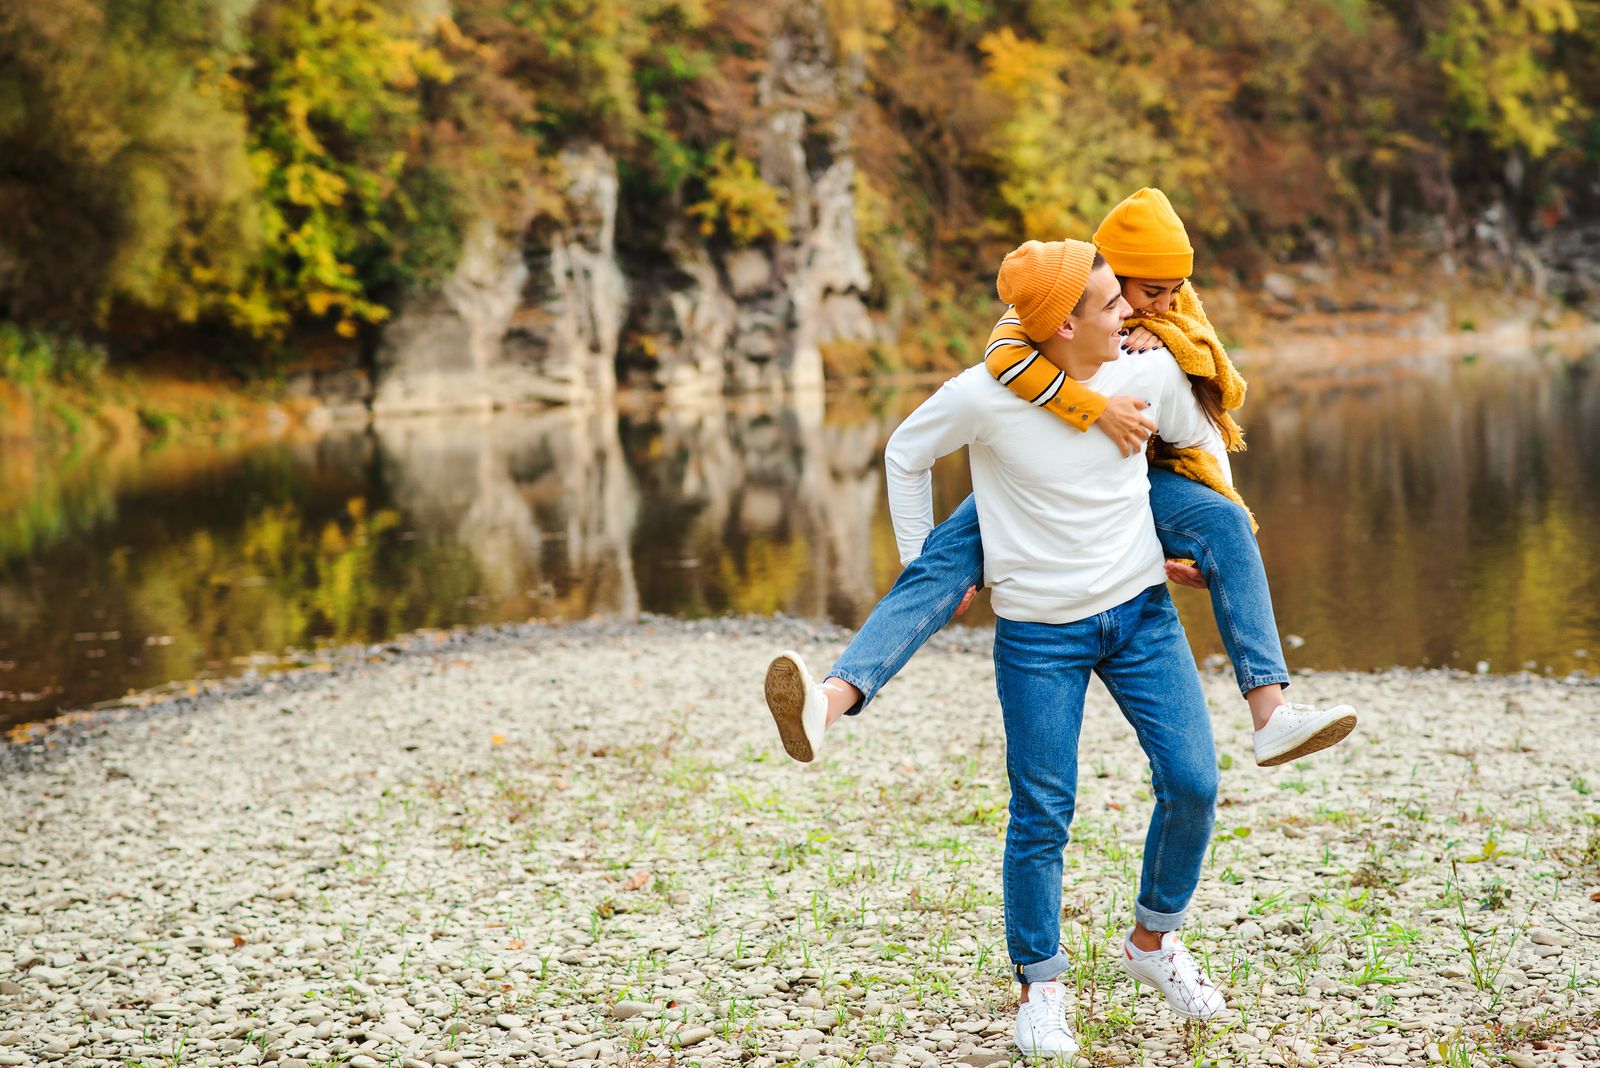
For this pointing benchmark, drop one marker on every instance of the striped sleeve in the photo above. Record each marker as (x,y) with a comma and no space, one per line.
(1017,365)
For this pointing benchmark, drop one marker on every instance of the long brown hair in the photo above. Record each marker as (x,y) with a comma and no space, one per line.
(1208,394)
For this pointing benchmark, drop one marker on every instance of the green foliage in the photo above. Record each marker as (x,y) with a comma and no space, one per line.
(124,172)
(333,90)
(33,357)
(1496,57)
(271,167)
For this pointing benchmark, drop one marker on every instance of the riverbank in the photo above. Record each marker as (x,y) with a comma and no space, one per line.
(560,844)
(1301,321)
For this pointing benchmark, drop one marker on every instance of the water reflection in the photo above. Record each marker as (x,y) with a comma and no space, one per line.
(1435,516)
(543,505)
(1431,514)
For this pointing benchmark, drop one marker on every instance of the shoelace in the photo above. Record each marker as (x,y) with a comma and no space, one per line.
(1053,1011)
(1301,710)
(1187,974)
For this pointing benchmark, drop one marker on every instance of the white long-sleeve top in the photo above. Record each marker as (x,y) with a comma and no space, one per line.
(1066,522)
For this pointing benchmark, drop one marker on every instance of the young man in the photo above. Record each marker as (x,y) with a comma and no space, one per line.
(1071,555)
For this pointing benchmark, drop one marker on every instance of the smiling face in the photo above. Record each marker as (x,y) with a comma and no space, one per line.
(1152,295)
(1097,322)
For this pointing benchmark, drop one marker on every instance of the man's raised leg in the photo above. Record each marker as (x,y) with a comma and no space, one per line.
(928,593)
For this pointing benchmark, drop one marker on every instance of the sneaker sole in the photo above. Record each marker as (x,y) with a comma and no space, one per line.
(1062,1058)
(786,700)
(1328,736)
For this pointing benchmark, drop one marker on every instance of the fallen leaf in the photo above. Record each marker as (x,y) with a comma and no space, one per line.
(497,739)
(636,880)
(515,943)
(238,941)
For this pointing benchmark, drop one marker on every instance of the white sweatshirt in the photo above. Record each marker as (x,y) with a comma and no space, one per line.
(1067,528)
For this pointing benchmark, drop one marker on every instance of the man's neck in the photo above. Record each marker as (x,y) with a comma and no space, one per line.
(1069,358)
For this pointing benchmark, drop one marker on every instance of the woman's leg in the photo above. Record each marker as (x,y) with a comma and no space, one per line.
(1200,523)
(1197,522)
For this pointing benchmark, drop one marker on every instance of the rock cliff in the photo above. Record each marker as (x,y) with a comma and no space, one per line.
(552,314)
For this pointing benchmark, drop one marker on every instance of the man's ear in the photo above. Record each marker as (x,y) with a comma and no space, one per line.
(1067,329)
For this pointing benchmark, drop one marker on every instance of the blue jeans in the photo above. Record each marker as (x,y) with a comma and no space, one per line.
(1042,671)
(1191,521)
(1211,530)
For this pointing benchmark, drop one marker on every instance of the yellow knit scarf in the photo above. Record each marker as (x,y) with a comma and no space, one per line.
(1193,342)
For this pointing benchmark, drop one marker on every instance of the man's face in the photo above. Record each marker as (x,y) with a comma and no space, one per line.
(1097,330)
(1154,295)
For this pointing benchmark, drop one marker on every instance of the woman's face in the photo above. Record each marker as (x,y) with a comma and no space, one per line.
(1152,295)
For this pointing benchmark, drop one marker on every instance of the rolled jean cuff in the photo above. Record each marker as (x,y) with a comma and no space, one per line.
(1042,972)
(1249,683)
(1151,920)
(868,691)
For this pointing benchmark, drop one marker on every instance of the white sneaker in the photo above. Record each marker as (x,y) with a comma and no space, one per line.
(1173,971)
(1295,731)
(1042,1029)
(798,705)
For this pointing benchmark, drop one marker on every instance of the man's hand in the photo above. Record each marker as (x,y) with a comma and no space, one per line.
(1124,424)
(966,602)
(1141,340)
(1185,574)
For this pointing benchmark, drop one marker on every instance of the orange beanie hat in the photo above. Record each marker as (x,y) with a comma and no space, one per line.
(1043,281)
(1143,238)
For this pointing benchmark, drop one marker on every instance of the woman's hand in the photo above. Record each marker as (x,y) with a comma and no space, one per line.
(966,602)
(1141,340)
(1185,573)
(1124,424)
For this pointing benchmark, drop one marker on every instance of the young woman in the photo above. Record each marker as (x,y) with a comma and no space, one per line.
(1199,517)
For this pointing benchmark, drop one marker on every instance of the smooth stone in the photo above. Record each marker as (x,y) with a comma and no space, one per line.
(690,1036)
(627,1010)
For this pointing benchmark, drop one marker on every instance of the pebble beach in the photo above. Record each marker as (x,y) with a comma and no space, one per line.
(583,845)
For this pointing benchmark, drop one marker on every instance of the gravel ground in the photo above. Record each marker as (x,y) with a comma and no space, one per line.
(582,844)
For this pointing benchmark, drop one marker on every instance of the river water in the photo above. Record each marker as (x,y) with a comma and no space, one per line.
(1432,513)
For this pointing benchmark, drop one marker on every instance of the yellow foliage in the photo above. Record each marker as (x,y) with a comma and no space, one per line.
(860,26)
(1027,72)
(1099,111)
(739,201)
(1495,54)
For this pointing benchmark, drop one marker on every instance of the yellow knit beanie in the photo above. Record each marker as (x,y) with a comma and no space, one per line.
(1143,238)
(1043,281)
